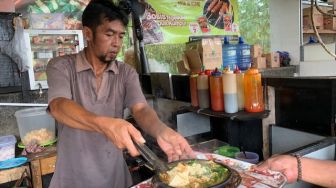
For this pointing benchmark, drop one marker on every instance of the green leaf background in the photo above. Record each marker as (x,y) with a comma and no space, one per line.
(255,22)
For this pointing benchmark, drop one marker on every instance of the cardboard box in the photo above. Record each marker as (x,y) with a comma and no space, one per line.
(329,22)
(272,59)
(194,60)
(183,66)
(259,62)
(318,18)
(256,51)
(210,51)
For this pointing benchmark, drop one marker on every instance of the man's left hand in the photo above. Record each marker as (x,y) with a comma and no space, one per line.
(174,145)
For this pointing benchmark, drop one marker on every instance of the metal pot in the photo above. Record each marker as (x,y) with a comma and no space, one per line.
(157,183)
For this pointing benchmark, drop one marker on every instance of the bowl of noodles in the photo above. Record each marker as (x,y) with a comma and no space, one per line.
(193,173)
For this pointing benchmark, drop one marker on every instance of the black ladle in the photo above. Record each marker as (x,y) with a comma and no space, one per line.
(151,157)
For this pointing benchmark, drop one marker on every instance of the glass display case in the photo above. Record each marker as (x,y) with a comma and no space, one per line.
(47,44)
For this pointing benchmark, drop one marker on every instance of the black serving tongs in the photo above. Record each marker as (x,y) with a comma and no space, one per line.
(151,157)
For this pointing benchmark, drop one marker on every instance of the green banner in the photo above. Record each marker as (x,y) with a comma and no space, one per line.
(173,21)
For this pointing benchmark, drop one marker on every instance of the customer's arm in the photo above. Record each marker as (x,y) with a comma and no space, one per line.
(319,172)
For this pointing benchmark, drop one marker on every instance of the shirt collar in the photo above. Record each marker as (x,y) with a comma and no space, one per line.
(83,64)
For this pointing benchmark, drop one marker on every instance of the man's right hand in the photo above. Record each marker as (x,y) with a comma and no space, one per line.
(121,132)
(117,130)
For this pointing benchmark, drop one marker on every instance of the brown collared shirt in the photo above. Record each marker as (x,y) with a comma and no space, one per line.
(84,158)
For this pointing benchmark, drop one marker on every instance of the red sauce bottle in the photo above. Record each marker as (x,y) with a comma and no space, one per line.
(216,91)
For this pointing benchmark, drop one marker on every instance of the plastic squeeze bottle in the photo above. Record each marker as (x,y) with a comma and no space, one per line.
(254,101)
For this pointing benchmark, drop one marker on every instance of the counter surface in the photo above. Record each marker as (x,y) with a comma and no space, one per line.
(314,146)
(301,77)
(248,177)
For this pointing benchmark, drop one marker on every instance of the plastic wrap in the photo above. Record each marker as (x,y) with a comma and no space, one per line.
(17,47)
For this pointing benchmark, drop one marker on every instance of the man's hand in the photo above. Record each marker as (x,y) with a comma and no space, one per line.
(121,132)
(174,145)
(171,142)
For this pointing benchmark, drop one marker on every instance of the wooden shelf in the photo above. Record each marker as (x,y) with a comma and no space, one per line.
(322,4)
(240,115)
(321,31)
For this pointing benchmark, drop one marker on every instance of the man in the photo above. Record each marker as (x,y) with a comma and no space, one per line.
(87,95)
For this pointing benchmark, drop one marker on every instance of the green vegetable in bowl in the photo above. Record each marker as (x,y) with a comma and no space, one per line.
(228,151)
(195,173)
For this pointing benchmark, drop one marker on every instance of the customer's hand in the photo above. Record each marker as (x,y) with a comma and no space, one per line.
(121,132)
(174,145)
(282,163)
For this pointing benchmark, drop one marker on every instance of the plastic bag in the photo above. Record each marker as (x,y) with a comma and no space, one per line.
(18,47)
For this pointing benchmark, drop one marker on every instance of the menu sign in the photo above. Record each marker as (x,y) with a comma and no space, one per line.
(173,21)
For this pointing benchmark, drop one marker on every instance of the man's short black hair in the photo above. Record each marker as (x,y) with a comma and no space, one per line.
(99,10)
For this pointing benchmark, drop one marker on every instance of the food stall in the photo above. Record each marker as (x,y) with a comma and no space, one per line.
(203,68)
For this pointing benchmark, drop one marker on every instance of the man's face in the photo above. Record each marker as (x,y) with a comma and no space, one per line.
(107,40)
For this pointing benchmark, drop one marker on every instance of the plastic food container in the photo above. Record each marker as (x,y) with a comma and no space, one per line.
(7,147)
(209,146)
(228,151)
(35,124)
(250,157)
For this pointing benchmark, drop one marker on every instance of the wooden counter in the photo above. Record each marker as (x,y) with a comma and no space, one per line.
(41,164)
(13,174)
